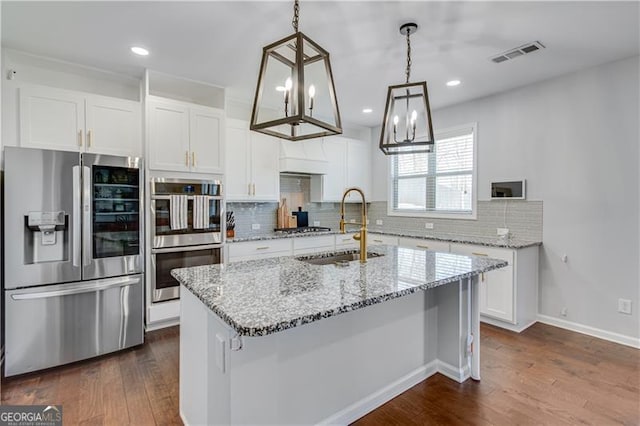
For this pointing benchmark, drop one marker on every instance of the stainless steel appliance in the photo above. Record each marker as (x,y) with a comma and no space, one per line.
(189,246)
(73,257)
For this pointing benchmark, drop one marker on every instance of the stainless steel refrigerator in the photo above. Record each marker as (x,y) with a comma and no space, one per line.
(73,257)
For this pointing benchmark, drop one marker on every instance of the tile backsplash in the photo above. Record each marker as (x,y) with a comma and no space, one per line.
(523,218)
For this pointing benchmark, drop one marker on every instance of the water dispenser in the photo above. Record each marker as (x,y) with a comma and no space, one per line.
(48,241)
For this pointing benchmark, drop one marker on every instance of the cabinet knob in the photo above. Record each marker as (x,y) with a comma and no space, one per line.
(80,137)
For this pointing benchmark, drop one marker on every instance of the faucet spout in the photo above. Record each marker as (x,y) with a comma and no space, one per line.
(362,235)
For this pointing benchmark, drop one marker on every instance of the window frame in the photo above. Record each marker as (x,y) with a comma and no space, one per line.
(442,214)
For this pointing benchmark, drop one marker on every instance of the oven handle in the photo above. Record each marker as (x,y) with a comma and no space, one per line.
(181,249)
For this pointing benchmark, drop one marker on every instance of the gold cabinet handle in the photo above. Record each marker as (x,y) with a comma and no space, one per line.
(249,189)
(186,158)
(79,137)
(346,239)
(254,189)
(193,158)
(89,138)
(262,248)
(378,241)
(479,254)
(422,246)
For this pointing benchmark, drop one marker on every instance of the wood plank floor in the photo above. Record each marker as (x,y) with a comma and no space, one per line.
(544,375)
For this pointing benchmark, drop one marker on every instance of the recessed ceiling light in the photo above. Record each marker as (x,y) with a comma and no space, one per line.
(367,110)
(453,83)
(139,50)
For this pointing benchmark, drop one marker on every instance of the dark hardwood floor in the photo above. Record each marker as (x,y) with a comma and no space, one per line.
(544,375)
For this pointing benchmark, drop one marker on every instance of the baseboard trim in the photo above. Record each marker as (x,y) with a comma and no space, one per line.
(591,331)
(507,325)
(457,374)
(161,324)
(369,403)
(184,421)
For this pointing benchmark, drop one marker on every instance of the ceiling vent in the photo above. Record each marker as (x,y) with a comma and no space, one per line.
(518,51)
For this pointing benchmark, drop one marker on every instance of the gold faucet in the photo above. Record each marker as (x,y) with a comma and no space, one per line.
(362,235)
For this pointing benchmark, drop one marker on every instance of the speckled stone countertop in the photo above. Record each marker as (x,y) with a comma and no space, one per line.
(512,243)
(260,297)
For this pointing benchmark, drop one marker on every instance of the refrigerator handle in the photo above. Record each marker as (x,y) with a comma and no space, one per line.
(86,216)
(77,217)
(85,288)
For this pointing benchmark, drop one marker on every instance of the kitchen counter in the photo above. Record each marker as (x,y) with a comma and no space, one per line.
(261,297)
(371,331)
(512,243)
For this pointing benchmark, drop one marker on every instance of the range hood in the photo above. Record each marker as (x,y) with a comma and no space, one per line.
(305,157)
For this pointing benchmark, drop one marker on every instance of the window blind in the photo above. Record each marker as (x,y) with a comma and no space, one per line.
(441,181)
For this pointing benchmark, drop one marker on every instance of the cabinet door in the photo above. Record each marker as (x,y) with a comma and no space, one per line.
(113,126)
(265,161)
(335,181)
(376,239)
(51,119)
(237,161)
(496,287)
(358,168)
(422,244)
(168,136)
(207,129)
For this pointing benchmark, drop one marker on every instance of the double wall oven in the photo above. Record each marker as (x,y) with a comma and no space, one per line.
(187,229)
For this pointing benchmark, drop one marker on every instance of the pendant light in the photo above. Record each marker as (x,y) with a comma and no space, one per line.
(407,125)
(295,97)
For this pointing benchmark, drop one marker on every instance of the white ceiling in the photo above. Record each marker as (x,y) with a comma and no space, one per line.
(221,42)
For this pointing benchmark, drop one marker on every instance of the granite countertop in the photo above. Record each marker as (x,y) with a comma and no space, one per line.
(512,243)
(261,297)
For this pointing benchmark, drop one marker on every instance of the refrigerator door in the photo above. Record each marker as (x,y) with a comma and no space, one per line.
(41,217)
(58,324)
(112,195)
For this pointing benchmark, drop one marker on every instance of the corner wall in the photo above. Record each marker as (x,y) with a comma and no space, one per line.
(575,139)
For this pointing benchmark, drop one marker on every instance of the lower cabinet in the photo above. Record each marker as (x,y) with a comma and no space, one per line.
(378,239)
(508,296)
(262,249)
(419,243)
(313,244)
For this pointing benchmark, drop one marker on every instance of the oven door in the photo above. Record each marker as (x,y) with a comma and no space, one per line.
(164,236)
(164,286)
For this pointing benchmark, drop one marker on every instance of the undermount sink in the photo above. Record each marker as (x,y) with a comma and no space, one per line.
(341,258)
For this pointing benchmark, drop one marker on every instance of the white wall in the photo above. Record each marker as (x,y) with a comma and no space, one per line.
(576,140)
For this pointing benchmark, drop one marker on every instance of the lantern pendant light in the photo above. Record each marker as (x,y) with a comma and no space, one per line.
(407,125)
(295,96)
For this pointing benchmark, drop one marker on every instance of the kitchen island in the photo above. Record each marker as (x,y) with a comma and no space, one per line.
(284,341)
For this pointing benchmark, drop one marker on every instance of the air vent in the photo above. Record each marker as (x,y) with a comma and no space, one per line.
(518,51)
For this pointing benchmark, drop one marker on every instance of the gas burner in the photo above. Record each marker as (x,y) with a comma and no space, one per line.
(302,229)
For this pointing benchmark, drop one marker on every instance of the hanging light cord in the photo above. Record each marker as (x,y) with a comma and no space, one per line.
(296,15)
(408,71)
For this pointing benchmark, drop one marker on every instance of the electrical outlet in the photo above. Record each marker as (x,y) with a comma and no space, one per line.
(379,222)
(316,223)
(502,232)
(564,311)
(352,221)
(624,306)
(428,225)
(564,258)
(255,226)
(367,221)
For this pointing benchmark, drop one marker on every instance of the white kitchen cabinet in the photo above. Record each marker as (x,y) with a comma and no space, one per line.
(378,239)
(358,169)
(250,250)
(252,161)
(349,166)
(346,241)
(420,243)
(508,296)
(185,137)
(305,245)
(74,121)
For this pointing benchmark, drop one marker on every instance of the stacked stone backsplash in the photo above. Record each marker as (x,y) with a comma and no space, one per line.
(523,218)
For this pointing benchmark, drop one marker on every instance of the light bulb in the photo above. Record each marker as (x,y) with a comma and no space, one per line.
(414,116)
(395,120)
(312,91)
(288,84)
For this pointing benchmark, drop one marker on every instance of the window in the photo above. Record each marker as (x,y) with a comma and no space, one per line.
(438,184)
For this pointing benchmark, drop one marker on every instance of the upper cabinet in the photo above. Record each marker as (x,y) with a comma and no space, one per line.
(349,166)
(73,121)
(184,137)
(252,161)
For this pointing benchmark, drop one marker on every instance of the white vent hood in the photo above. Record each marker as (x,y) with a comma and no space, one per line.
(303,157)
